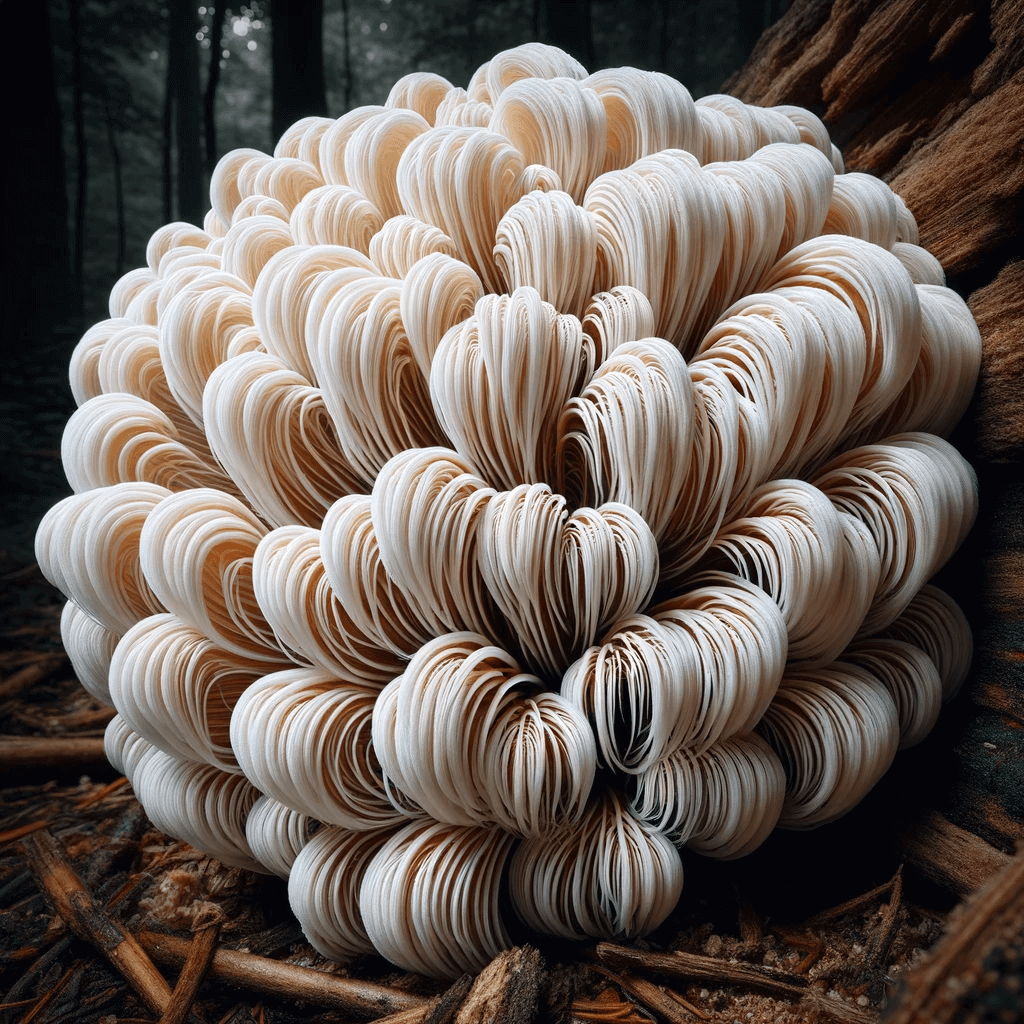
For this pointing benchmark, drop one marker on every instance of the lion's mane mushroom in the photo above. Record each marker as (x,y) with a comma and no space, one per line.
(378,474)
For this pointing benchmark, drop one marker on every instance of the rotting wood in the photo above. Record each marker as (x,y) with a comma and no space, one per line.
(506,990)
(286,981)
(443,1011)
(949,855)
(998,419)
(89,921)
(984,935)
(416,1015)
(197,964)
(704,968)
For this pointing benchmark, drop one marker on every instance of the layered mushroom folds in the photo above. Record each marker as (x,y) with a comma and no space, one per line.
(509,486)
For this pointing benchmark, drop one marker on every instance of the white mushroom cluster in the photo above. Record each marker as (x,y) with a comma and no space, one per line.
(509,486)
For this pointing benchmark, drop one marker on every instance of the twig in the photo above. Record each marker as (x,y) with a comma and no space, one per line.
(818,1007)
(850,906)
(704,968)
(21,831)
(197,963)
(44,1001)
(101,794)
(669,1005)
(286,981)
(30,674)
(89,921)
(881,940)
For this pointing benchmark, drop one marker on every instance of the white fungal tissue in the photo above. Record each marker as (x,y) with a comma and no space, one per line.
(509,486)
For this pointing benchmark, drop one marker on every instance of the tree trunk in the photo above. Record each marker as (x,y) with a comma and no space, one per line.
(930,96)
(184,71)
(569,27)
(346,54)
(115,156)
(297,61)
(81,151)
(167,148)
(212,81)
(35,284)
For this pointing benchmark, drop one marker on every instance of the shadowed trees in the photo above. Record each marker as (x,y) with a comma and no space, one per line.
(297,59)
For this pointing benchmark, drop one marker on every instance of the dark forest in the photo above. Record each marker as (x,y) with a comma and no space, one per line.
(125,108)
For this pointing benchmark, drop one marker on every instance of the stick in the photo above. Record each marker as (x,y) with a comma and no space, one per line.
(704,968)
(50,752)
(669,1005)
(21,831)
(197,963)
(857,903)
(30,674)
(881,940)
(89,921)
(286,981)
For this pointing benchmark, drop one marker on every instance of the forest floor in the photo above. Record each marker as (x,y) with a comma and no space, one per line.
(35,403)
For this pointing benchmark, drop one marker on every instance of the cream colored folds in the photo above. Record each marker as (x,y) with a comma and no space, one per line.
(508,486)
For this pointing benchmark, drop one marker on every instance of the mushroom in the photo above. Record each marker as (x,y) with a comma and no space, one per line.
(507,486)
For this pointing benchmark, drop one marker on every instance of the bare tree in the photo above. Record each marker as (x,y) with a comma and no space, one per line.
(81,152)
(183,76)
(346,35)
(212,81)
(35,284)
(115,156)
(297,61)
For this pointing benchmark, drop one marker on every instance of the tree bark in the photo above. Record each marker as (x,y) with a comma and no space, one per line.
(183,55)
(930,97)
(297,62)
(212,81)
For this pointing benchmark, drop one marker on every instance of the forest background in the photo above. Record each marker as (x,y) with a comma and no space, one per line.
(120,110)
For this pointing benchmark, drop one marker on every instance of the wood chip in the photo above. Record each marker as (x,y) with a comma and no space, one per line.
(505,990)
